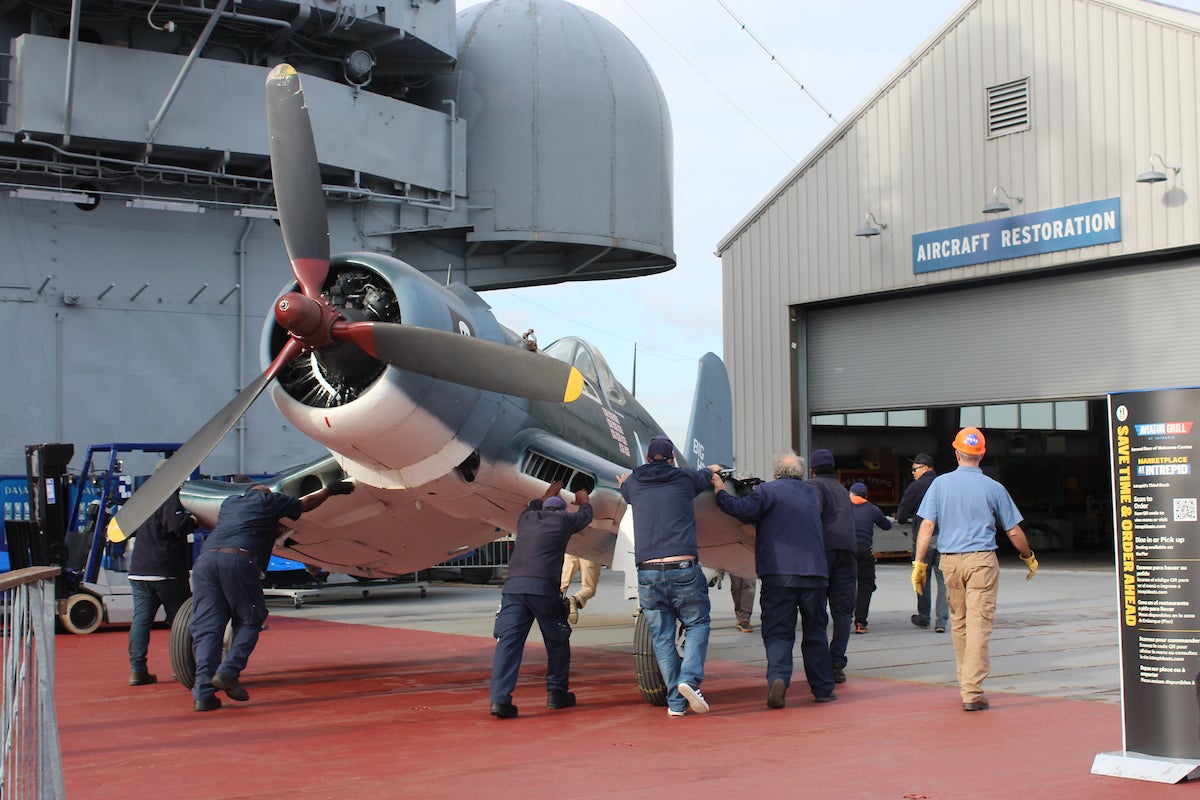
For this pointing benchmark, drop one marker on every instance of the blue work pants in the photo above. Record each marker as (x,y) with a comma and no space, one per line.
(513,621)
(780,600)
(225,586)
(843,588)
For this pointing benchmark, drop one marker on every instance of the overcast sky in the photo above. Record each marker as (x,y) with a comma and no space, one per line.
(741,123)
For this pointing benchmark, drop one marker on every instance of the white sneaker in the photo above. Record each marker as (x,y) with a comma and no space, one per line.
(673,713)
(695,700)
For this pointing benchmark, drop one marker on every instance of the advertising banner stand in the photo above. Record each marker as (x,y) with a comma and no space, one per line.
(1155,446)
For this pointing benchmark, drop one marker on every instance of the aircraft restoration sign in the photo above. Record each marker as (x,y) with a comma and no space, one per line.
(1155,444)
(1066,228)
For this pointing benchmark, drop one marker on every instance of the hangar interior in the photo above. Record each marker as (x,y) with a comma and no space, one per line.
(1001,235)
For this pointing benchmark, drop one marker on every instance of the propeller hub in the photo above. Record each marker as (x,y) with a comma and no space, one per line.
(308,319)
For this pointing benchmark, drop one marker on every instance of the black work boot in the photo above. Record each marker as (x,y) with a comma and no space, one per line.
(559,698)
(142,678)
(503,710)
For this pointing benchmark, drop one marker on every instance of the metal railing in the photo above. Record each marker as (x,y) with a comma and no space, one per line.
(31,763)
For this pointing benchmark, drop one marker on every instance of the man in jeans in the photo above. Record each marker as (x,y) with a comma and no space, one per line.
(158,576)
(923,475)
(671,585)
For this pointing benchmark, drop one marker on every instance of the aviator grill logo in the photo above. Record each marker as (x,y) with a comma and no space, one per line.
(1163,429)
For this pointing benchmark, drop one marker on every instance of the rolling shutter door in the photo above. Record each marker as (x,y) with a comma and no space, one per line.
(1067,336)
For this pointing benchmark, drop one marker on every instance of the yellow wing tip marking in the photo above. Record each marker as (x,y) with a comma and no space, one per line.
(281,72)
(114,532)
(574,386)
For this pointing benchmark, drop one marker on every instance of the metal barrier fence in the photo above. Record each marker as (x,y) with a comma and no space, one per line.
(31,766)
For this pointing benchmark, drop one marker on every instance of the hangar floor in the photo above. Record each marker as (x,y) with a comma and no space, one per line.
(387,697)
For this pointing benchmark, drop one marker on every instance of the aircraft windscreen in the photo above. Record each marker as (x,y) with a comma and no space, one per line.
(587,359)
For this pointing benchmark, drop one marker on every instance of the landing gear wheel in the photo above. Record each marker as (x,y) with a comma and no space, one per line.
(645,664)
(183,660)
(84,613)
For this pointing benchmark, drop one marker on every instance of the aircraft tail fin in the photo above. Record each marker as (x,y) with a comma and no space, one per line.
(710,432)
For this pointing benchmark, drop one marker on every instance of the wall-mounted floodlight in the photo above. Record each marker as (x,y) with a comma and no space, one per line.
(1154,176)
(871,226)
(997,205)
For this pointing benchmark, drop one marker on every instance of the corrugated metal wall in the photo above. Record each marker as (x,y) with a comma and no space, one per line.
(1110,83)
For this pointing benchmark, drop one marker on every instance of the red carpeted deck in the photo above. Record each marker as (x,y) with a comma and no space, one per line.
(354,711)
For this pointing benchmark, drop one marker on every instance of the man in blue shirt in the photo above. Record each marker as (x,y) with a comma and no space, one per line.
(789,557)
(964,506)
(531,591)
(671,585)
(227,585)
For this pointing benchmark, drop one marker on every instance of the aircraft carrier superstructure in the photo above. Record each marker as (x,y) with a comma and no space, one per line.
(515,143)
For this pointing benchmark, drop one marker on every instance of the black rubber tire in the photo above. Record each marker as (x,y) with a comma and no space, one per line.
(183,660)
(645,665)
(83,613)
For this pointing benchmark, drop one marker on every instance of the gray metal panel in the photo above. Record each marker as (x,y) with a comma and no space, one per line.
(1073,336)
(220,108)
(570,136)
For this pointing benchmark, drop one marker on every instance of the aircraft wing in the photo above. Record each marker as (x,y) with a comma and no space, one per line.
(370,533)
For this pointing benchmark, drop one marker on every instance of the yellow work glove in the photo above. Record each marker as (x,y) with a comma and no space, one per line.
(1030,562)
(919,573)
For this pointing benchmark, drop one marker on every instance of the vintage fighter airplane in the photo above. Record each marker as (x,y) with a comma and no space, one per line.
(441,416)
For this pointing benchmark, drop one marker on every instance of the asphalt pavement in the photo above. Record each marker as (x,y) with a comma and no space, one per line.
(1055,635)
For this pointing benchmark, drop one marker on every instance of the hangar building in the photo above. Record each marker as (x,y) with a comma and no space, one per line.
(1004,232)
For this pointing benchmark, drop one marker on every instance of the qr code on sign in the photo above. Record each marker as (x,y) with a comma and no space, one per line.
(1184,509)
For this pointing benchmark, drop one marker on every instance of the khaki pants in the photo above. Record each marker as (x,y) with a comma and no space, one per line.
(971,582)
(589,576)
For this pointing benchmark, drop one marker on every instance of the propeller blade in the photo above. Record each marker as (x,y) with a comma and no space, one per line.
(165,480)
(462,359)
(297,174)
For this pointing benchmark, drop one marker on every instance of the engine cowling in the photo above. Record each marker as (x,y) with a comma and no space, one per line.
(387,427)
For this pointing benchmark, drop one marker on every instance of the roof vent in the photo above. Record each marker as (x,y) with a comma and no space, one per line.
(1008,108)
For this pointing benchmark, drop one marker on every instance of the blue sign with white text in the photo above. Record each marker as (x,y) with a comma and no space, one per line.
(1067,228)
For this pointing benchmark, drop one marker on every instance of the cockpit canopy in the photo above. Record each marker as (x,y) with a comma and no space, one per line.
(599,383)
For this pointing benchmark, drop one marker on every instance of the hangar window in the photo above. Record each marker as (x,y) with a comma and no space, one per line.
(911,418)
(1064,415)
(1008,108)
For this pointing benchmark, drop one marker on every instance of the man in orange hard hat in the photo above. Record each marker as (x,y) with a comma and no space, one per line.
(964,506)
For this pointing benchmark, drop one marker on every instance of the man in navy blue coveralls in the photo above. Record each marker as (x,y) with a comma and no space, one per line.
(531,591)
(227,584)
(841,553)
(671,584)
(789,556)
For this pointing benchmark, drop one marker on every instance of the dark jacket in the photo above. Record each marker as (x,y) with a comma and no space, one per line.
(837,512)
(161,548)
(787,518)
(664,514)
(910,501)
(535,565)
(250,521)
(866,517)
